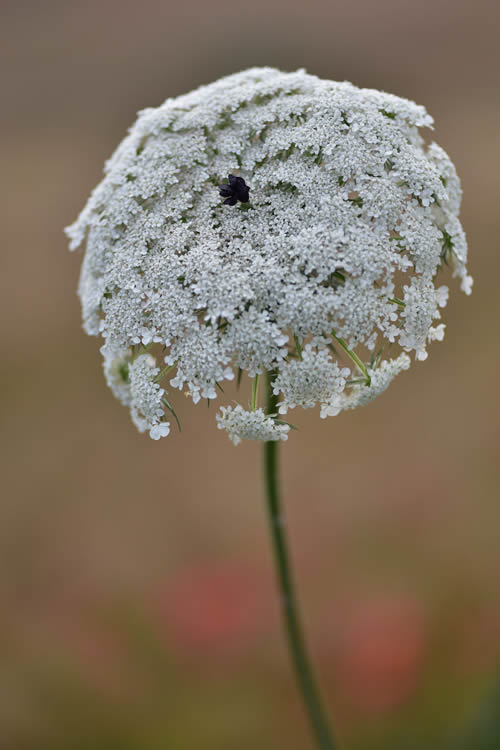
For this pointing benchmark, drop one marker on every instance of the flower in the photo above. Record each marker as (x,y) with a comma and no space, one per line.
(298,388)
(250,425)
(351,219)
(146,397)
(380,379)
(159,430)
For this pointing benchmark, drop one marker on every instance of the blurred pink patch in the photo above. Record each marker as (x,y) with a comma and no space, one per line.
(215,605)
(381,650)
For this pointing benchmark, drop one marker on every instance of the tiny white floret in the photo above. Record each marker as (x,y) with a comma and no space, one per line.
(159,430)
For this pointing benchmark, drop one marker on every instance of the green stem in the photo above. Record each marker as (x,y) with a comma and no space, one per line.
(353,356)
(255,393)
(164,372)
(298,652)
(396,301)
(298,346)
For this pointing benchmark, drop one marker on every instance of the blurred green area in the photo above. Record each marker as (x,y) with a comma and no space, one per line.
(139,608)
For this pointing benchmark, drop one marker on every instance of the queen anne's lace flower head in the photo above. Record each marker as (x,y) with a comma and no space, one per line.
(336,221)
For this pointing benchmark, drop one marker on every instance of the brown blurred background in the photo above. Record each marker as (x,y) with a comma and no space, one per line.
(139,609)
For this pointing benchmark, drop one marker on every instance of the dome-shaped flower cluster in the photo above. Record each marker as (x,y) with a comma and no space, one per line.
(331,262)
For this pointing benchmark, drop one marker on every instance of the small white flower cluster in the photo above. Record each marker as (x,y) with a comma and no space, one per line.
(250,425)
(133,383)
(380,379)
(312,379)
(146,397)
(350,217)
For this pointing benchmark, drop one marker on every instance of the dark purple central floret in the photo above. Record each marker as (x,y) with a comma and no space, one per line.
(235,190)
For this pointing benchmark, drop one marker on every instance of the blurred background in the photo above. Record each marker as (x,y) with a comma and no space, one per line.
(139,606)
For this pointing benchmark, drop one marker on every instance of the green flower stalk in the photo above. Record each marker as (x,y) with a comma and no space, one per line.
(305,675)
